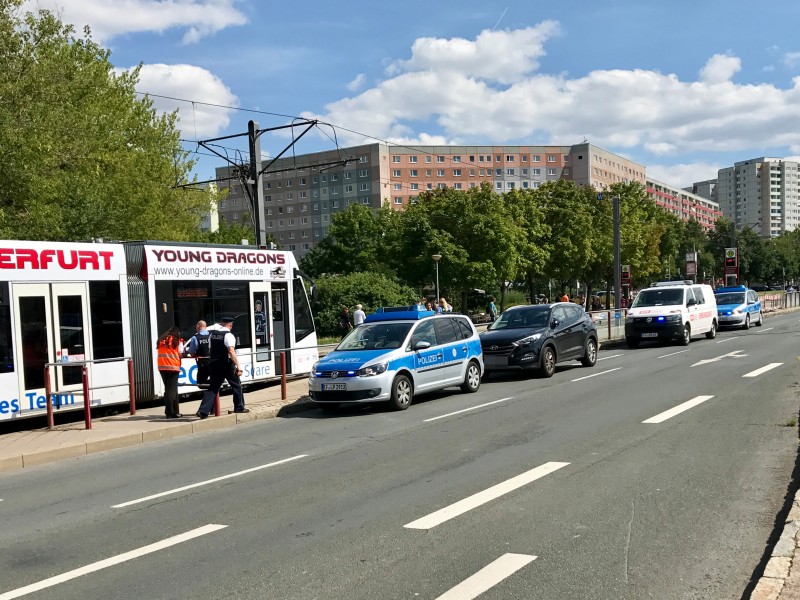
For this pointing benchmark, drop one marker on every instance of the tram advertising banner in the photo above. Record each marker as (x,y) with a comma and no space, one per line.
(60,261)
(182,263)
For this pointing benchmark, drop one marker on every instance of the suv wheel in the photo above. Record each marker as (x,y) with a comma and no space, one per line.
(548,361)
(712,333)
(687,335)
(402,393)
(472,379)
(590,357)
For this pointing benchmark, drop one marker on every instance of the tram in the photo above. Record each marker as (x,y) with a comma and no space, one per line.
(87,302)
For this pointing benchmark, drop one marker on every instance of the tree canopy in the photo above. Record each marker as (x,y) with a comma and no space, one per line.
(82,156)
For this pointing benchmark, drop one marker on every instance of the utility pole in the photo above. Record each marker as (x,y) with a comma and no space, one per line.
(254,181)
(617,261)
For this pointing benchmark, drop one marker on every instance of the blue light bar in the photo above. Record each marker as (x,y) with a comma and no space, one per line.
(398,313)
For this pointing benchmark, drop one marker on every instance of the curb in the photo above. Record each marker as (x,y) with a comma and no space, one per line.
(779,568)
(224,421)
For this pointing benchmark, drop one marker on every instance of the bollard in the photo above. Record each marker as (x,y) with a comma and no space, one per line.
(50,420)
(283,376)
(216,405)
(131,387)
(609,324)
(87,405)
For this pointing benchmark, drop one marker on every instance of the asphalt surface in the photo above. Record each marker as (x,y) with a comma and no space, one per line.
(681,508)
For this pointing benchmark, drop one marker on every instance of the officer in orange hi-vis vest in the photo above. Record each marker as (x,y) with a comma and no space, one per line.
(170,350)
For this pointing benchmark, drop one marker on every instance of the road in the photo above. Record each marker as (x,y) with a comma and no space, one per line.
(659,473)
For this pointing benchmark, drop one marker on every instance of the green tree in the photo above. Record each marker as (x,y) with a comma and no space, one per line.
(80,155)
(371,290)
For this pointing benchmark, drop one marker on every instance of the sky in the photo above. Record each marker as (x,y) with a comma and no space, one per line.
(684,87)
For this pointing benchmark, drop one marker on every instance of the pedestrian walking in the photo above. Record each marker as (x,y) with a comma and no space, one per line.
(223,366)
(344,321)
(199,348)
(491,309)
(170,349)
(358,315)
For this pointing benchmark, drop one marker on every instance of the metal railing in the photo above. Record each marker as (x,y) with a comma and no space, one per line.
(610,323)
(87,404)
(777,300)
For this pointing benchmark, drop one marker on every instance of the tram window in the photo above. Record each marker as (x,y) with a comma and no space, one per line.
(106,315)
(303,321)
(6,341)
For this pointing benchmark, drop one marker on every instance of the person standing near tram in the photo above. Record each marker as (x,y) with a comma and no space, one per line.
(223,366)
(170,350)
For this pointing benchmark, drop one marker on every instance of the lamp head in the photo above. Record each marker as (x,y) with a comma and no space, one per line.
(437,257)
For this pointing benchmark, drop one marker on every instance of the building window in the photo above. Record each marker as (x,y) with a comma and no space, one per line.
(348,174)
(509,158)
(498,158)
(412,159)
(398,186)
(440,159)
(429,186)
(334,177)
(456,159)
(456,186)
(414,186)
(398,200)
(498,172)
(428,158)
(396,173)
(441,186)
(363,187)
(536,158)
(363,172)
(536,171)
(348,188)
(551,172)
(365,200)
(396,158)
(524,158)
(335,204)
(456,172)
(363,158)
(509,171)
(440,172)
(288,183)
(551,158)
(414,173)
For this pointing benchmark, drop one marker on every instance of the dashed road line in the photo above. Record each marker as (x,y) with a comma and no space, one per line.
(208,481)
(596,374)
(488,577)
(667,414)
(763,330)
(758,372)
(612,356)
(458,412)
(110,562)
(736,337)
(672,353)
(467,504)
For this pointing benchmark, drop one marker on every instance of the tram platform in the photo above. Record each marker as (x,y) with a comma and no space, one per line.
(22,449)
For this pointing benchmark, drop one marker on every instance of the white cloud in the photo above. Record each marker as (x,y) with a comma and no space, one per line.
(451,90)
(685,174)
(357,83)
(197,121)
(791,59)
(720,68)
(503,56)
(110,18)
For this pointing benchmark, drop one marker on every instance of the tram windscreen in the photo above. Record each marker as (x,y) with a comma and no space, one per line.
(303,321)
(33,321)
(106,311)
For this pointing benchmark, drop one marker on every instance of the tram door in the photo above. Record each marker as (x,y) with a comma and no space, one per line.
(51,321)
(261,324)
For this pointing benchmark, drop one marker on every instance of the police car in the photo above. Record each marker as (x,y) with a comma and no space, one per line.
(738,307)
(397,353)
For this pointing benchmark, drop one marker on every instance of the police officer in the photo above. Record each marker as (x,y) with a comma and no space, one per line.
(199,348)
(223,366)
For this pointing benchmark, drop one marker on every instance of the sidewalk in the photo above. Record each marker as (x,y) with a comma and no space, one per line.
(38,446)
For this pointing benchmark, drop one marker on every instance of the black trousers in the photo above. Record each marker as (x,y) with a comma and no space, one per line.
(202,370)
(171,404)
(218,375)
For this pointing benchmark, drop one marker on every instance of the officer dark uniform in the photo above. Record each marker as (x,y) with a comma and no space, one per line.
(223,366)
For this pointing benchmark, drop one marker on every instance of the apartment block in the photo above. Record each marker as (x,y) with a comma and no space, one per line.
(683,204)
(302,193)
(762,194)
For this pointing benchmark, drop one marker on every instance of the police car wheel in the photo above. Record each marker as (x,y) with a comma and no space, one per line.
(760,320)
(402,393)
(686,338)
(746,325)
(472,379)
(548,361)
(590,358)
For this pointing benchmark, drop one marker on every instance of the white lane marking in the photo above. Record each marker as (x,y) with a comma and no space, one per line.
(763,330)
(208,481)
(612,356)
(488,577)
(467,504)
(467,409)
(758,372)
(110,562)
(734,354)
(736,337)
(596,374)
(667,414)
(672,353)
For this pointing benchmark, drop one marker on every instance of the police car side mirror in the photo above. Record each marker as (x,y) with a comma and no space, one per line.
(691,302)
(422,345)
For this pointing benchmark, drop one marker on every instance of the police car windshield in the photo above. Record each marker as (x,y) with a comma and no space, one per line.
(376,336)
(523,318)
(730,298)
(656,297)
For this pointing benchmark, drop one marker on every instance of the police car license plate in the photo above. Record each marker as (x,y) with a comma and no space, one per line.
(649,335)
(333,387)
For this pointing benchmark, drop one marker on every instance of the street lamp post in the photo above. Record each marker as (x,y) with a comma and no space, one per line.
(436,258)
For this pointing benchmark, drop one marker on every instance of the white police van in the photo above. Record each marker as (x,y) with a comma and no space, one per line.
(672,310)
(738,306)
(397,353)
